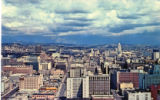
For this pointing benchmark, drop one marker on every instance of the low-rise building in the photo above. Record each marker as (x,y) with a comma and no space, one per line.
(134,95)
(18,69)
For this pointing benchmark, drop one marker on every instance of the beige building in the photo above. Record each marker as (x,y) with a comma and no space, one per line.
(57,72)
(31,83)
(126,86)
(45,66)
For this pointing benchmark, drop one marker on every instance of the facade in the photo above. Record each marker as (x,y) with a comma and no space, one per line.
(43,97)
(102,97)
(156,54)
(30,83)
(86,87)
(19,69)
(78,87)
(57,72)
(74,87)
(5,61)
(152,79)
(128,77)
(139,96)
(99,85)
(77,72)
(38,49)
(119,49)
(155,92)
(126,86)
(5,85)
(45,66)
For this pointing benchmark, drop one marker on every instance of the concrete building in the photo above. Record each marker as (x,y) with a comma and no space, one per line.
(99,85)
(152,79)
(119,49)
(74,87)
(86,87)
(38,49)
(45,65)
(5,85)
(78,87)
(30,83)
(156,54)
(126,86)
(138,95)
(77,72)
(5,61)
(57,72)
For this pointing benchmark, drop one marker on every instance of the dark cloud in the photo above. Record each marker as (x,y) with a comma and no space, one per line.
(128,17)
(77,24)
(64,29)
(73,11)
(120,28)
(82,19)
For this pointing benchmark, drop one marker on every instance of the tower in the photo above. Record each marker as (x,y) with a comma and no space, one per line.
(119,49)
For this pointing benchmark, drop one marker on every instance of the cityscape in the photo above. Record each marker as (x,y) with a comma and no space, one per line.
(80,49)
(62,72)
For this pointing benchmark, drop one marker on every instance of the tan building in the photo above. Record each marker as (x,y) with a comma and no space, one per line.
(57,72)
(45,65)
(31,83)
(126,86)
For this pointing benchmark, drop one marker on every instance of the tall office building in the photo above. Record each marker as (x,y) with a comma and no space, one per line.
(156,54)
(152,79)
(78,87)
(86,87)
(74,87)
(30,83)
(119,49)
(38,49)
(45,65)
(77,72)
(99,85)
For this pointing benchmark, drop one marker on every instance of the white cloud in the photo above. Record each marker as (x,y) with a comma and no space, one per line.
(41,16)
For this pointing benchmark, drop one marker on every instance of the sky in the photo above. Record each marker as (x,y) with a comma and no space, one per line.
(81,21)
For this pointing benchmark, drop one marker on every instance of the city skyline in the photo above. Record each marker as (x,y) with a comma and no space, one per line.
(81,22)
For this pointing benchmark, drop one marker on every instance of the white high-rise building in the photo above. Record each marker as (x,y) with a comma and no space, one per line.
(119,49)
(78,87)
(139,95)
(156,54)
(74,87)
(86,87)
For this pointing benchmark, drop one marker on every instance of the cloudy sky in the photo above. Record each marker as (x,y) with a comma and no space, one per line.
(81,21)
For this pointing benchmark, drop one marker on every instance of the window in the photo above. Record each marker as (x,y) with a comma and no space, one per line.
(137,97)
